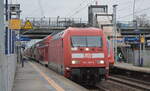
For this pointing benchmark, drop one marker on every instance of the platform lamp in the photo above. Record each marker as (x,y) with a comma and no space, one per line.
(137,31)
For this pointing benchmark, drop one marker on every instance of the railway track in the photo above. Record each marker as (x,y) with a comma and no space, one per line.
(131,82)
(102,88)
(143,76)
(122,83)
(98,88)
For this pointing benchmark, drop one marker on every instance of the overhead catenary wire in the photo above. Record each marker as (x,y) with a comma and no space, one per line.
(10,1)
(127,4)
(33,14)
(135,12)
(79,6)
(16,1)
(135,7)
(138,4)
(35,10)
(41,8)
(78,11)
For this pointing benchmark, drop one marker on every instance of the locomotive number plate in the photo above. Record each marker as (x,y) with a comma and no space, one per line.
(88,55)
(88,62)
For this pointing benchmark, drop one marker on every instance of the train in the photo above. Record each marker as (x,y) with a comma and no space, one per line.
(80,54)
(39,51)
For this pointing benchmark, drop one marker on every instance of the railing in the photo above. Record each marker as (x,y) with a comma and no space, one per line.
(131,24)
(46,22)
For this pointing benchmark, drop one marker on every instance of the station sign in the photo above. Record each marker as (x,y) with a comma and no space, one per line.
(24,39)
(14,24)
(131,39)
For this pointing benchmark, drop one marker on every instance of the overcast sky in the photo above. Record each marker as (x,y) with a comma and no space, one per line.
(78,8)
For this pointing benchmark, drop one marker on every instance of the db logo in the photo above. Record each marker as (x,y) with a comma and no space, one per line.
(87,55)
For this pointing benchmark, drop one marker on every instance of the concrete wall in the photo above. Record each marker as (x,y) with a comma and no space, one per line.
(2,80)
(145,55)
(136,58)
(129,55)
(2,28)
(7,62)
(7,72)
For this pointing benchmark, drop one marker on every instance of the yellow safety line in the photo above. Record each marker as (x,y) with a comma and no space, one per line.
(50,81)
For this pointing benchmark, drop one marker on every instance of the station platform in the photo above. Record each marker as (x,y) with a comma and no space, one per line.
(131,67)
(35,77)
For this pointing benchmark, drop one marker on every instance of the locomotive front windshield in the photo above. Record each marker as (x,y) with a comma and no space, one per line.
(86,41)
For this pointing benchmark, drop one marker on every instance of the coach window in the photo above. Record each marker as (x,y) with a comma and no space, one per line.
(62,43)
(108,47)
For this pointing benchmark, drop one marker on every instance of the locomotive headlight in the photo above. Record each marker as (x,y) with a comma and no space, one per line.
(87,49)
(100,62)
(67,68)
(75,62)
(74,48)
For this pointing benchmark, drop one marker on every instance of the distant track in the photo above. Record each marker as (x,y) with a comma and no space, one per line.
(131,82)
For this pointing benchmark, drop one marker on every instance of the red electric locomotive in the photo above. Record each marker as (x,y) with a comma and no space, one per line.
(81,54)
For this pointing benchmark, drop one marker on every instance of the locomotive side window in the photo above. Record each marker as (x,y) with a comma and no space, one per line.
(62,43)
(86,41)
